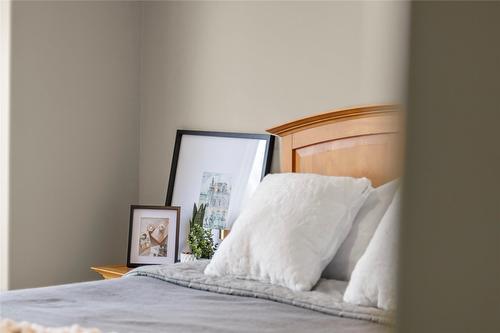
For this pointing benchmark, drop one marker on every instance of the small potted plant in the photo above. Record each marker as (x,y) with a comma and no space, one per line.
(200,244)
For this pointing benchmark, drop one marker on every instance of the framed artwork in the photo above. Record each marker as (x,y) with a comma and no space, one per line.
(153,235)
(218,169)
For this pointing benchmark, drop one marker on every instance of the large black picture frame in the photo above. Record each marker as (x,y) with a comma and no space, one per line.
(178,138)
(177,193)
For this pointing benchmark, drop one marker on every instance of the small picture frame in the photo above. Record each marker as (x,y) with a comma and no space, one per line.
(153,235)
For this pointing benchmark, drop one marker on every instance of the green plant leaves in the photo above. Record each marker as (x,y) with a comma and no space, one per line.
(200,239)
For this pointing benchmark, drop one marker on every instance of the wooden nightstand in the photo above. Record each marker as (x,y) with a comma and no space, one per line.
(111,271)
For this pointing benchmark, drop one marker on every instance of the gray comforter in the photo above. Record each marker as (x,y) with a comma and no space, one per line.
(138,303)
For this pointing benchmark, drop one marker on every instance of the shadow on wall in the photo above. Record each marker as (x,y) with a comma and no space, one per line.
(450,268)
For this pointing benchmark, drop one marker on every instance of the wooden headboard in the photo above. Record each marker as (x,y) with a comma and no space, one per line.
(356,142)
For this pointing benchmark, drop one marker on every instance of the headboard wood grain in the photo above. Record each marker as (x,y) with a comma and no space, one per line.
(357,142)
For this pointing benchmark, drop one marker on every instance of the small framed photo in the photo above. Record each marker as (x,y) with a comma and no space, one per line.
(153,235)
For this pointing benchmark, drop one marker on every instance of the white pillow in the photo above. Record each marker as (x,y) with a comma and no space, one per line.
(373,281)
(290,229)
(363,228)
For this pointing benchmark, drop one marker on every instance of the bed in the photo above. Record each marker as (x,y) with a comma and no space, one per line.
(356,142)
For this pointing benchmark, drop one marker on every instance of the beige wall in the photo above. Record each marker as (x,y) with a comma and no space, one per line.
(246,66)
(75,134)
(450,259)
(82,72)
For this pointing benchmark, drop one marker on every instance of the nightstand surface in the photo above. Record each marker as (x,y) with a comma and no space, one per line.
(111,271)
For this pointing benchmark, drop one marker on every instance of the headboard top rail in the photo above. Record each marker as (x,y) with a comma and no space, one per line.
(331,116)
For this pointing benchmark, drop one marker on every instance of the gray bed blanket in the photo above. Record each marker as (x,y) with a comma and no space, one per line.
(144,304)
(326,296)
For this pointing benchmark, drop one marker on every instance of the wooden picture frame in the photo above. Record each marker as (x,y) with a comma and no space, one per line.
(153,235)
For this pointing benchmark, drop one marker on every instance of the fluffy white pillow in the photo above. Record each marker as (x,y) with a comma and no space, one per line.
(290,229)
(373,281)
(363,228)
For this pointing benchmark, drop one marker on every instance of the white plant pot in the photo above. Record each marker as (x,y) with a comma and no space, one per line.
(186,257)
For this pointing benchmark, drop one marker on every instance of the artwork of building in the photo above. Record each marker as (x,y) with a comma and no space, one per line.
(216,194)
